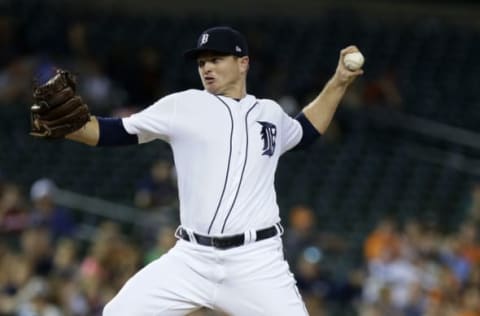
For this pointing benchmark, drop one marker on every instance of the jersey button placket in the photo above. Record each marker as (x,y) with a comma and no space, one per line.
(238,144)
(240,117)
(237,157)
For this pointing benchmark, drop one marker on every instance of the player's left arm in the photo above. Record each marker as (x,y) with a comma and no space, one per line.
(321,110)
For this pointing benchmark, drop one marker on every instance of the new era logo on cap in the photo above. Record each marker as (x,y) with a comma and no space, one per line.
(221,39)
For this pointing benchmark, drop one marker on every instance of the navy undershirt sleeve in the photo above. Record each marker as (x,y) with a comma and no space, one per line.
(113,133)
(310,133)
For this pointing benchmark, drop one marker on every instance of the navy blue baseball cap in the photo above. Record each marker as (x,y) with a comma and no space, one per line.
(220,39)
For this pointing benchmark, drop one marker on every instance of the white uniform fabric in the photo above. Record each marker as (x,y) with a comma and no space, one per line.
(226,153)
(251,280)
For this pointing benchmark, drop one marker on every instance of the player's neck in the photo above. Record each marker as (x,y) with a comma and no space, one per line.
(237,97)
(237,92)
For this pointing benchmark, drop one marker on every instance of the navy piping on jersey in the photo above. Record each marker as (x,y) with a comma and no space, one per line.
(228,166)
(243,169)
(310,133)
(113,133)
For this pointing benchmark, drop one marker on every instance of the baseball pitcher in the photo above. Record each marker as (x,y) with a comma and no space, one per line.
(226,145)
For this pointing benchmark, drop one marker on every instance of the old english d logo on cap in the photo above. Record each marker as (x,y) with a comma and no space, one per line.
(204,39)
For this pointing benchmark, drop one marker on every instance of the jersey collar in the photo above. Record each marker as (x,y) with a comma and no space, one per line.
(248,99)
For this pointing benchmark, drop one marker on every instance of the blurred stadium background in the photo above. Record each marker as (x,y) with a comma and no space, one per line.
(382,214)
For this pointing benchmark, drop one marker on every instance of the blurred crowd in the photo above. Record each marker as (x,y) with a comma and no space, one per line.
(407,268)
(119,82)
(48,268)
(100,82)
(417,270)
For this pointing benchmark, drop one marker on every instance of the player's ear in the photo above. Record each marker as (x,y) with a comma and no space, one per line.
(244,63)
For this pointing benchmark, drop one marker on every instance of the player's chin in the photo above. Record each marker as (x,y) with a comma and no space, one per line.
(211,89)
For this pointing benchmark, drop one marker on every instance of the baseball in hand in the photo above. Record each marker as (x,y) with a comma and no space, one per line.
(353,61)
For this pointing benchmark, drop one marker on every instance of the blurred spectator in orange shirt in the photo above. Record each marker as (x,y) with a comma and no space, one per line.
(383,241)
(469,243)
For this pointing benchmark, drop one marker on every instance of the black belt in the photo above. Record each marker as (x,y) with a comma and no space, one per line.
(229,241)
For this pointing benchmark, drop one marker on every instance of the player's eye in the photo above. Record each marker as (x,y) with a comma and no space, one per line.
(201,63)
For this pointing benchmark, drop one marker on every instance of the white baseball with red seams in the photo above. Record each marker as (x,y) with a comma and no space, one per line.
(354,61)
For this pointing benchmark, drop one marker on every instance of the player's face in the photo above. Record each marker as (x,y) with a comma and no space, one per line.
(223,75)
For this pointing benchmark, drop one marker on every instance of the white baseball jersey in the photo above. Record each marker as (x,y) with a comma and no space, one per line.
(226,153)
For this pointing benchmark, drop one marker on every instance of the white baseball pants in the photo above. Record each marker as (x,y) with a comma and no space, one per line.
(249,280)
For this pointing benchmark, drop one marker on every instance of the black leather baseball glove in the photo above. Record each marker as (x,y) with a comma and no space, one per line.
(57,110)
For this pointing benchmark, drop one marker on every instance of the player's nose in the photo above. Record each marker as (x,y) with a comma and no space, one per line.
(208,66)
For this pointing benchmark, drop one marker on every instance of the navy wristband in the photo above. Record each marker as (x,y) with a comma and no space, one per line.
(310,133)
(113,133)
